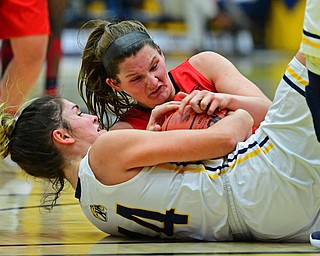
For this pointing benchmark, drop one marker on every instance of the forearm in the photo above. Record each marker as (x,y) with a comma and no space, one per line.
(257,107)
(207,101)
(130,149)
(192,145)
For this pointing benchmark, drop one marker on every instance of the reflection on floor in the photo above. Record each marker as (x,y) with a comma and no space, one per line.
(25,230)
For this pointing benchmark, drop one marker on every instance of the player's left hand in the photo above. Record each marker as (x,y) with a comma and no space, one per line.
(159,113)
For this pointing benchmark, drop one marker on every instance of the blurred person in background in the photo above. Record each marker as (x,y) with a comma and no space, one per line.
(247,15)
(123,9)
(57,14)
(25,23)
(54,52)
(196,14)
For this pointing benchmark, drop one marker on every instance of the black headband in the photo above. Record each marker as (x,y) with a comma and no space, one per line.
(118,46)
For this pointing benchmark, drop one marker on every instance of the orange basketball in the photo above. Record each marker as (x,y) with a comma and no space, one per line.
(192,120)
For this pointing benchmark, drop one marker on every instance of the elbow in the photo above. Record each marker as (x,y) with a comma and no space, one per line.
(231,143)
(228,143)
(242,131)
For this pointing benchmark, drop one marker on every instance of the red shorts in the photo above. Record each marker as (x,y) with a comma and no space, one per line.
(23,18)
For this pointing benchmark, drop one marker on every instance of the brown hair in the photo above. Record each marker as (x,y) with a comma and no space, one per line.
(100,98)
(27,140)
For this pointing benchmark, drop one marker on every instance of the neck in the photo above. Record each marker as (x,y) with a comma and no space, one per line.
(74,155)
(71,173)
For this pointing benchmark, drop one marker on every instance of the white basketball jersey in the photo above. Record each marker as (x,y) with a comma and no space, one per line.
(168,200)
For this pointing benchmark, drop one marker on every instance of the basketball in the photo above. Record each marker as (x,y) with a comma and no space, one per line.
(192,120)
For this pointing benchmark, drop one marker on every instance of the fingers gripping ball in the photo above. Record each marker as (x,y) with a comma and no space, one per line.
(192,120)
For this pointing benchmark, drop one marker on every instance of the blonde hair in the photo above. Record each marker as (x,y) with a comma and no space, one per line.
(7,122)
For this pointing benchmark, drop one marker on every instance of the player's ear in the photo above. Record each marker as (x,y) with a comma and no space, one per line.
(113,84)
(62,137)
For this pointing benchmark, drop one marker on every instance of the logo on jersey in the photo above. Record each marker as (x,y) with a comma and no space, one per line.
(100,212)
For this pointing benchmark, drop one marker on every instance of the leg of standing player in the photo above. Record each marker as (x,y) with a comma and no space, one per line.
(310,47)
(56,11)
(6,55)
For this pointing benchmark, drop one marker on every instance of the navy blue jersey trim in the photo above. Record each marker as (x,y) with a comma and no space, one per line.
(219,168)
(294,86)
(240,152)
(77,193)
(311,35)
(184,164)
(214,169)
(250,146)
(175,85)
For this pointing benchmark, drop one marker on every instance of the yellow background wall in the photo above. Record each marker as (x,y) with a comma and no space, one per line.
(285,25)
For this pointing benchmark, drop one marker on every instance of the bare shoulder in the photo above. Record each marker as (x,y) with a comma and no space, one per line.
(204,58)
(210,64)
(121,125)
(107,157)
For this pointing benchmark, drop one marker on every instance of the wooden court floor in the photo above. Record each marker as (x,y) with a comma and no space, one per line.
(25,230)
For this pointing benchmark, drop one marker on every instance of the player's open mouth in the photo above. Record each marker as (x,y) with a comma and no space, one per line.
(157,91)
